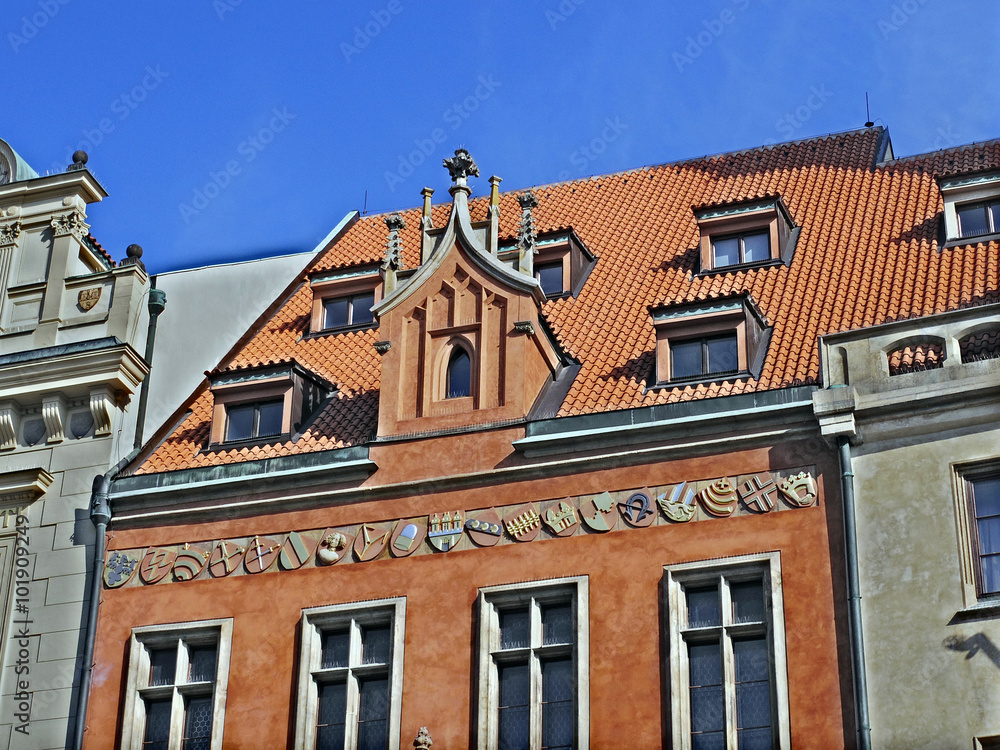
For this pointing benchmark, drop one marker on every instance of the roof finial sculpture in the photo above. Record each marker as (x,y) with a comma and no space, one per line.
(393,251)
(460,166)
(527,238)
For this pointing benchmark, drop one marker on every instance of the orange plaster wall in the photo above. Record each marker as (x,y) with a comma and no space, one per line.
(625,570)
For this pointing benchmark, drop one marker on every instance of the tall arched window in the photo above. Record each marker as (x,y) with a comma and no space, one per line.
(459,381)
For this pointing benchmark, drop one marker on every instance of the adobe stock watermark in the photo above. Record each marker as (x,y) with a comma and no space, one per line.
(790,122)
(364,34)
(224,7)
(564,10)
(122,106)
(901,14)
(590,152)
(249,149)
(31,25)
(21,629)
(454,116)
(713,29)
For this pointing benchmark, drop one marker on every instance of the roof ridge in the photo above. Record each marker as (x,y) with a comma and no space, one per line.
(940,151)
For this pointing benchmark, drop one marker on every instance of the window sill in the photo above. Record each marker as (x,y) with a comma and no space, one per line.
(736,267)
(722,377)
(979,239)
(984,609)
(342,329)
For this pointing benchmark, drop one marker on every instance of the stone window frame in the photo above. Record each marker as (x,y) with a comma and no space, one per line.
(181,636)
(337,285)
(958,191)
(706,320)
(316,620)
(718,222)
(490,601)
(676,577)
(963,477)
(439,391)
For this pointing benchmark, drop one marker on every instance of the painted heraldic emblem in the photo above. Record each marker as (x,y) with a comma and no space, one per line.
(445,531)
(87,298)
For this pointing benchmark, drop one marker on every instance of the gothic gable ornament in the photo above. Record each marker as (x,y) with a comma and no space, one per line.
(87,298)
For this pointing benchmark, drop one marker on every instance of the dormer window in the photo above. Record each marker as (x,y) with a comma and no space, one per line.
(459,378)
(971,206)
(550,278)
(351,310)
(709,341)
(265,404)
(561,265)
(755,233)
(343,300)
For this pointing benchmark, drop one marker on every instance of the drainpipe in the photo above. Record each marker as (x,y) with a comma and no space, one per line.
(854,595)
(100,514)
(157,301)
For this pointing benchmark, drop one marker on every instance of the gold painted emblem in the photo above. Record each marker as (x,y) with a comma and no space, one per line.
(87,298)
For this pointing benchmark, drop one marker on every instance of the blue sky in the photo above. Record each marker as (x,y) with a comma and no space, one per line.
(231,129)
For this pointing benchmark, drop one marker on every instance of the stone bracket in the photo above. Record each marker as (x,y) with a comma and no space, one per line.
(54,413)
(102,404)
(10,421)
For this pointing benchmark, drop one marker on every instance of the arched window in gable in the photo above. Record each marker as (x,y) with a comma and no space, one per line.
(458,383)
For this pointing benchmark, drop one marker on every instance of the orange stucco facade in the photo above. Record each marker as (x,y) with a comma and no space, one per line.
(629,661)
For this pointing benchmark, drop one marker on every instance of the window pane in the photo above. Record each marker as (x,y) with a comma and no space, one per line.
(157,725)
(987,496)
(198,724)
(710,741)
(202,660)
(514,715)
(753,688)
(703,607)
(335,313)
(332,717)
(756,247)
(751,659)
(336,646)
(375,645)
(550,277)
(706,709)
(557,624)
(685,359)
(722,354)
(459,374)
(995,217)
(239,422)
(269,419)
(991,574)
(755,739)
(705,663)
(557,703)
(989,535)
(514,628)
(361,311)
(972,220)
(162,666)
(726,252)
(373,717)
(748,601)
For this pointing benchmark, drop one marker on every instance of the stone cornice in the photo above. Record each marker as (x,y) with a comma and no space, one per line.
(80,182)
(24,486)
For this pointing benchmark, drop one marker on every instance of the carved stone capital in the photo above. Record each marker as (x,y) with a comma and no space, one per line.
(54,416)
(9,233)
(102,404)
(70,224)
(10,420)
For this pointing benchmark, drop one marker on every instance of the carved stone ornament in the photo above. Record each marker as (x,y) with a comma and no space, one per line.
(444,532)
(331,547)
(799,490)
(9,233)
(383,346)
(423,740)
(71,223)
(87,298)
(370,542)
(719,498)
(524,326)
(119,569)
(561,517)
(460,166)
(679,507)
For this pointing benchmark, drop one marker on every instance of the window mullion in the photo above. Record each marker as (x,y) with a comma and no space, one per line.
(353,689)
(176,720)
(535,670)
(728,664)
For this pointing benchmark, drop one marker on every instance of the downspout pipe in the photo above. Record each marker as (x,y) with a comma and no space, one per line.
(100,515)
(854,595)
(157,303)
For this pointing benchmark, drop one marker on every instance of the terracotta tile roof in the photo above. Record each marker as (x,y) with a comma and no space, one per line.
(868,253)
(979,346)
(100,249)
(917,357)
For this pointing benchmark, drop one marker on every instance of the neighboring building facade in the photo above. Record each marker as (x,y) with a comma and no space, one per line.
(73,328)
(535,470)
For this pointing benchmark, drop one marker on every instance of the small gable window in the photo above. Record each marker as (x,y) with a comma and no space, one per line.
(709,341)
(759,232)
(550,278)
(256,420)
(459,383)
(561,263)
(353,310)
(975,219)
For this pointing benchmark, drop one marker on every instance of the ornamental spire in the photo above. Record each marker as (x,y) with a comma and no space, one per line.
(460,166)
(527,237)
(393,251)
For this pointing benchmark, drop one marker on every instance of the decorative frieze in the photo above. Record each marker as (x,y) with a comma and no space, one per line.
(628,511)
(9,233)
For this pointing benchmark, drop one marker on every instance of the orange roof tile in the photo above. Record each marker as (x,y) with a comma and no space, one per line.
(868,253)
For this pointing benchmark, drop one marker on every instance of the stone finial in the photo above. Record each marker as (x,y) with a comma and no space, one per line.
(423,740)
(460,166)
(493,215)
(393,251)
(426,224)
(80,159)
(133,257)
(527,237)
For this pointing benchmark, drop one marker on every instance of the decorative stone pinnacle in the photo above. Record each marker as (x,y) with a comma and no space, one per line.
(460,166)
(394,246)
(527,238)
(423,740)
(527,200)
